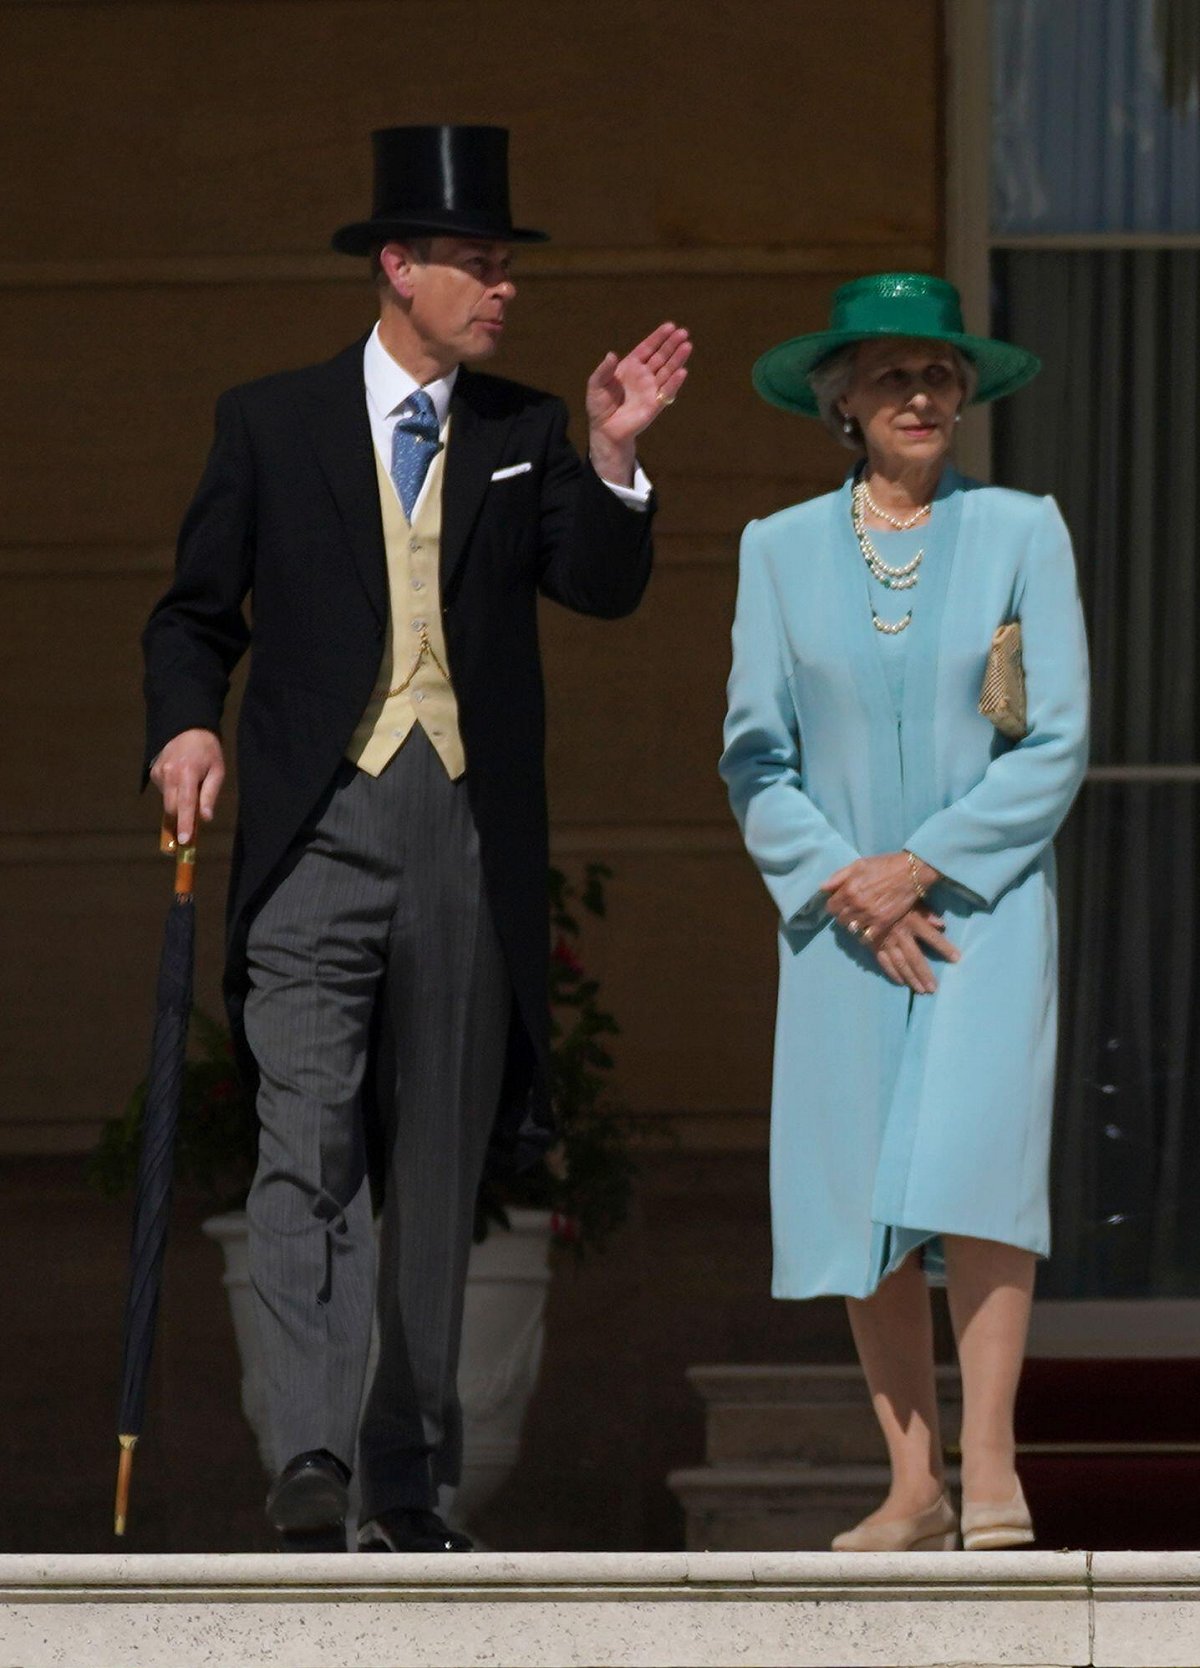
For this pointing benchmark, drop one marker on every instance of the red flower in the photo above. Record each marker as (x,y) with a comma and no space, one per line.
(564,1228)
(565,956)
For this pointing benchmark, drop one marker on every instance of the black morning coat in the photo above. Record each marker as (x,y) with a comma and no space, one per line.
(287,514)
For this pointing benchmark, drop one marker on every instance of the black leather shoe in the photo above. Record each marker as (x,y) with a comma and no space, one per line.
(410,1529)
(310,1494)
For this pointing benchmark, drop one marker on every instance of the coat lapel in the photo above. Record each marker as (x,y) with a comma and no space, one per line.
(476,438)
(862,655)
(340,431)
(860,634)
(903,761)
(918,726)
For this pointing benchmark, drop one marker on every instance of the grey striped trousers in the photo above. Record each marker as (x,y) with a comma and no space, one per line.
(382,919)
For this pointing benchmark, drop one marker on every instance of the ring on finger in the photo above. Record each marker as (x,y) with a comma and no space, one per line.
(852,927)
(664,399)
(868,933)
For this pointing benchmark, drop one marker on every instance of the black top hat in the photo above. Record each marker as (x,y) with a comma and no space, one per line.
(446,180)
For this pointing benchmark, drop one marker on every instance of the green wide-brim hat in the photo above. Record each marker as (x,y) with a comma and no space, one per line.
(890,304)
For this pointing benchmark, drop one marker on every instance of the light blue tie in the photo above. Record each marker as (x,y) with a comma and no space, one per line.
(414,446)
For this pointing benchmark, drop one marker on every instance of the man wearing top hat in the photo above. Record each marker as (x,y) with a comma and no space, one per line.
(394,515)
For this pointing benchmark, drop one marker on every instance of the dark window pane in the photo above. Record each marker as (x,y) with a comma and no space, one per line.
(1126,1175)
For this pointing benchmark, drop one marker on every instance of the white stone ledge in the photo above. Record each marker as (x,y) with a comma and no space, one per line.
(1146,1609)
(587,1610)
(664,1572)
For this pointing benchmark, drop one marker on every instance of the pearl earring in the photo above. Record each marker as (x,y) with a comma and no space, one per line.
(958,416)
(847,425)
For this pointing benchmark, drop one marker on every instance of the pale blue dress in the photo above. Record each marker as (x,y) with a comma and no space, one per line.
(895,1119)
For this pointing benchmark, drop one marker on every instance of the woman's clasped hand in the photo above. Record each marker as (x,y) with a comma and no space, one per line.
(875,899)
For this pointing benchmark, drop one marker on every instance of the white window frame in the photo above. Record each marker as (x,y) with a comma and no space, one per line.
(968,67)
(969,240)
(969,247)
(1120,1326)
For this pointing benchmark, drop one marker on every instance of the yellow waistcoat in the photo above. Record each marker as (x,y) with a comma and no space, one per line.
(414,679)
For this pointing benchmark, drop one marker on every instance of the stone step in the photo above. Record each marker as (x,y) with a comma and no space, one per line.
(602,1610)
(818,1415)
(775,1508)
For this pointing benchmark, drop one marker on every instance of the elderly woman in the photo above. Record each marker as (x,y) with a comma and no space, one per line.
(907,845)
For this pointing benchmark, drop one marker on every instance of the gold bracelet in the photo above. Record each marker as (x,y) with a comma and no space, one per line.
(914,871)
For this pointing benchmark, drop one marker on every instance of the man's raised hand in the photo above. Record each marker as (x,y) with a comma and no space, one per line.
(624,396)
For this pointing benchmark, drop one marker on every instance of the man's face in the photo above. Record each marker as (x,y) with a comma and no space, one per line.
(458,297)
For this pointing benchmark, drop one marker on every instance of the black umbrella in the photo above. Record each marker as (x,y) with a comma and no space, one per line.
(160,1114)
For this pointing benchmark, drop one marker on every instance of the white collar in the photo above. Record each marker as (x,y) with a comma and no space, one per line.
(389,384)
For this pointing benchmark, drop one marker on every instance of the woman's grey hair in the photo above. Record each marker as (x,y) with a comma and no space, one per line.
(831,378)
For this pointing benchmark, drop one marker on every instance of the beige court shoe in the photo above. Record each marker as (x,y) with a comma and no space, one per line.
(934,1530)
(988,1528)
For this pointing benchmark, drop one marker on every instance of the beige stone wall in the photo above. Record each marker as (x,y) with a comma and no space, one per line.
(172,172)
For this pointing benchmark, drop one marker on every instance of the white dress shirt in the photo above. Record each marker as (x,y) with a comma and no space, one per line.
(388,385)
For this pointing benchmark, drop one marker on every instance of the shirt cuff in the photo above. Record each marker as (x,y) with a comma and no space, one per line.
(638,495)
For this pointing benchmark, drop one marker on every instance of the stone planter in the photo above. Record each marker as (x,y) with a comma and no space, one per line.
(503,1333)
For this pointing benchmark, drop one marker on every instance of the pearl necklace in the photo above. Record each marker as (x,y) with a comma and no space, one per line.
(892,520)
(892,579)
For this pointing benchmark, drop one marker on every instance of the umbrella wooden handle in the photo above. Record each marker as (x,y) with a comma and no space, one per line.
(124,1475)
(185,856)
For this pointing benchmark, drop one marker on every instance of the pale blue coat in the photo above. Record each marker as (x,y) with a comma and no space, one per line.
(894,1118)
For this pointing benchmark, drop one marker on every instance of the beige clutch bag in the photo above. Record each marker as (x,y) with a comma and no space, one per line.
(1002,697)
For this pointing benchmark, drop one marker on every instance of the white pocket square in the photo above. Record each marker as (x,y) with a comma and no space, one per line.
(513,469)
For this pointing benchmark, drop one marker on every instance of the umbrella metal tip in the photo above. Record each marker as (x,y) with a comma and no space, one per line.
(119,1524)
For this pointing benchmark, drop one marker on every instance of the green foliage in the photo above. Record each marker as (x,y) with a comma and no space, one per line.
(217,1138)
(585,1179)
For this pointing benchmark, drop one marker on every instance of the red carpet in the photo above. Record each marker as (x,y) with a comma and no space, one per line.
(1126,1480)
